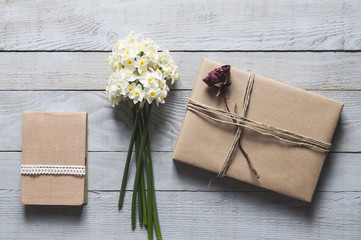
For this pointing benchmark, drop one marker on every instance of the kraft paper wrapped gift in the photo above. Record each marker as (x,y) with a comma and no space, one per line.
(51,140)
(285,168)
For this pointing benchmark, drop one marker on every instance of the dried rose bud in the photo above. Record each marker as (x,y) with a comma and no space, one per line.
(219,76)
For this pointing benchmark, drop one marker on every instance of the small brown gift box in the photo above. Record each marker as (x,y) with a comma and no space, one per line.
(54,139)
(284,168)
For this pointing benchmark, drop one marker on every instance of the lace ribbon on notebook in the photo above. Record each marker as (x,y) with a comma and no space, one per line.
(52,170)
(240,121)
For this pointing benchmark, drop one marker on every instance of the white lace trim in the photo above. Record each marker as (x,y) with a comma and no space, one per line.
(52,169)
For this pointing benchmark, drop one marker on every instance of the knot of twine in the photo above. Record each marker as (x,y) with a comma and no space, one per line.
(240,122)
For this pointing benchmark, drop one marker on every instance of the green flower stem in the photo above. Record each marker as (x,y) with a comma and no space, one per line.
(144,200)
(127,162)
(154,204)
(155,217)
(140,199)
(149,192)
(139,159)
(154,213)
(143,205)
(140,208)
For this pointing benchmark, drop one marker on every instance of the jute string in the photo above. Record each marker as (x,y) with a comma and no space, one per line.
(240,121)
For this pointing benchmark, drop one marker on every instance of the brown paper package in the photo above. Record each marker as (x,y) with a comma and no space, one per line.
(54,139)
(284,168)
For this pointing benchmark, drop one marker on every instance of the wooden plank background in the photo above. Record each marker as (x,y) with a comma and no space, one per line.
(53,58)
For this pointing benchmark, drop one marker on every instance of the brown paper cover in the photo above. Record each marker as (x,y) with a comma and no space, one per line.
(284,168)
(54,138)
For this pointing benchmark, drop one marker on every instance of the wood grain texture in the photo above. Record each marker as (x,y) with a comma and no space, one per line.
(105,169)
(61,48)
(182,25)
(90,70)
(109,128)
(190,215)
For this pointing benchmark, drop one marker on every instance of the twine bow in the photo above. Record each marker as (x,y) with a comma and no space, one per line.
(240,122)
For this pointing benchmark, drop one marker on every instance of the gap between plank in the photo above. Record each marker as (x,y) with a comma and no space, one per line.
(124,151)
(172,90)
(200,191)
(191,51)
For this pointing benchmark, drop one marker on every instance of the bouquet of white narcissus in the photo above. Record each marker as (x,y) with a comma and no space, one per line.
(140,72)
(140,76)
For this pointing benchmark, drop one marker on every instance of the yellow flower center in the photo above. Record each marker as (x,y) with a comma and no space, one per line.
(136,93)
(129,62)
(115,65)
(118,86)
(140,46)
(127,52)
(161,96)
(152,94)
(130,89)
(161,85)
(142,62)
(150,79)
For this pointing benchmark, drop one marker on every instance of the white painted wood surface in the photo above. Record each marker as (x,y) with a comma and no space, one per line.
(109,128)
(182,25)
(53,58)
(340,174)
(191,215)
(88,70)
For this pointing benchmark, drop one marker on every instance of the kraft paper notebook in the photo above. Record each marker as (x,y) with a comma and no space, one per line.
(54,158)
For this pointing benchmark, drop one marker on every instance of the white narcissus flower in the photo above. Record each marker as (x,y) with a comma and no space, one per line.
(140,46)
(162,94)
(162,83)
(133,38)
(118,90)
(150,79)
(151,51)
(129,63)
(113,96)
(141,64)
(119,45)
(174,78)
(135,92)
(151,93)
(127,74)
(126,53)
(159,72)
(113,78)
